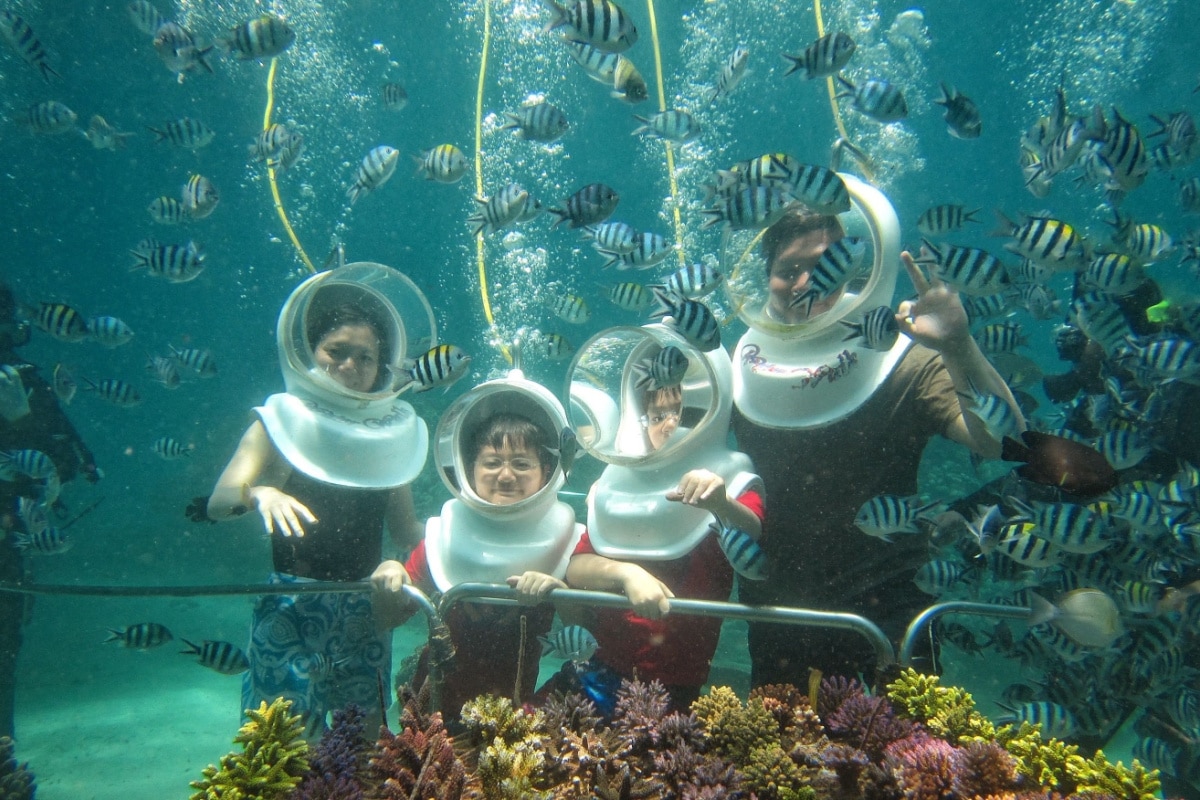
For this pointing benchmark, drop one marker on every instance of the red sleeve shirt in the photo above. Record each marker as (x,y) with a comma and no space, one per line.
(678,649)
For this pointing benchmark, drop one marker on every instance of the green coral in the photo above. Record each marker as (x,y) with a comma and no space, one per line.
(947,711)
(735,730)
(488,717)
(1050,763)
(272,761)
(508,771)
(772,774)
(1098,776)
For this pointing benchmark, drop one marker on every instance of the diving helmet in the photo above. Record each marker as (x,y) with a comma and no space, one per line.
(808,373)
(622,383)
(477,540)
(336,434)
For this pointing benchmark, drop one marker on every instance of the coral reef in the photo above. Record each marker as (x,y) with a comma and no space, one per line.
(339,761)
(272,761)
(921,742)
(16,781)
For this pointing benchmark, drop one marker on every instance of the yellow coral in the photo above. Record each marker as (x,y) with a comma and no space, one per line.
(1124,783)
(733,729)
(772,774)
(719,700)
(508,772)
(947,711)
(272,761)
(488,716)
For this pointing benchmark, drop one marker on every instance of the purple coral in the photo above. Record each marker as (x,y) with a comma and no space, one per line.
(640,709)
(868,723)
(982,769)
(925,766)
(836,690)
(419,762)
(337,764)
(847,763)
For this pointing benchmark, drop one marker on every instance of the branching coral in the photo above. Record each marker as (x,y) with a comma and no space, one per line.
(570,712)
(640,709)
(488,717)
(948,712)
(1045,763)
(272,761)
(772,775)
(868,723)
(339,762)
(982,769)
(16,781)
(419,762)
(925,767)
(508,771)
(733,729)
(834,691)
(1098,776)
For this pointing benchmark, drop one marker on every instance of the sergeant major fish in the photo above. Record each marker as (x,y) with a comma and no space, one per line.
(222,657)
(376,168)
(875,98)
(745,555)
(537,122)
(691,319)
(21,37)
(572,642)
(104,136)
(962,115)
(600,23)
(826,56)
(264,37)
(590,205)
(444,164)
(731,75)
(441,366)
(666,368)
(141,636)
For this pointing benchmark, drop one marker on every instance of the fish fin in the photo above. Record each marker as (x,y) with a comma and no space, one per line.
(1041,610)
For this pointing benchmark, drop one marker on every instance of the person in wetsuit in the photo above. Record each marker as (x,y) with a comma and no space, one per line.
(30,419)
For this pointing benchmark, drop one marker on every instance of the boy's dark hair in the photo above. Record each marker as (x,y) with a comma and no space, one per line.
(662,396)
(794,224)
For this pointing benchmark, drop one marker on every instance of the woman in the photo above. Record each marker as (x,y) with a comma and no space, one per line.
(326,466)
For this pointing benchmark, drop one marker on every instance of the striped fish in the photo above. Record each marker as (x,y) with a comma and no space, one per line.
(22,39)
(109,331)
(265,37)
(600,65)
(1123,448)
(166,210)
(628,84)
(694,281)
(749,208)
(1057,721)
(115,391)
(590,205)
(666,368)
(943,219)
(32,514)
(1050,242)
(1122,155)
(938,576)
(824,57)
(500,210)
(968,269)
(630,296)
(1001,337)
(185,132)
(573,642)
(395,96)
(600,23)
(169,449)
(32,463)
(537,122)
(61,321)
(1169,357)
(439,366)
(164,370)
(769,169)
(571,308)
(198,359)
(877,329)
(1137,507)
(992,410)
(290,153)
(178,263)
(1069,527)
(673,124)
(962,115)
(875,98)
(885,515)
(612,236)
(50,118)
(1145,242)
(376,168)
(179,51)
(141,636)
(444,164)
(145,16)
(1189,196)
(745,555)
(1101,319)
(49,541)
(558,347)
(821,190)
(104,136)
(731,75)
(691,319)
(840,263)
(270,142)
(1113,273)
(1156,753)
(1018,541)
(200,197)
(222,657)
(648,250)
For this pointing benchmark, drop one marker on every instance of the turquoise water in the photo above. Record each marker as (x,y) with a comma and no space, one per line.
(71,213)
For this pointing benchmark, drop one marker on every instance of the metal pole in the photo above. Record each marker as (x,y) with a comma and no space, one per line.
(909,642)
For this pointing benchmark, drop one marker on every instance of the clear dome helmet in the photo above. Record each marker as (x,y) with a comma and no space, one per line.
(395,307)
(367,439)
(628,515)
(477,540)
(794,373)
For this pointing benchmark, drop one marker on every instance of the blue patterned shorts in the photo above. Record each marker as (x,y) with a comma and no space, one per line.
(321,651)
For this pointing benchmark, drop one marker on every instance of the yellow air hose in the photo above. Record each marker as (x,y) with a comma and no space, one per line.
(662,106)
(287,226)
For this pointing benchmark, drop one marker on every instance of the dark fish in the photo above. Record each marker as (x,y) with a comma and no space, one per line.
(590,205)
(823,57)
(142,636)
(962,115)
(1052,460)
(222,657)
(265,37)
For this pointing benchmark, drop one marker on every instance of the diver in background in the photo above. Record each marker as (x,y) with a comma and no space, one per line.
(830,425)
(497,453)
(326,465)
(30,419)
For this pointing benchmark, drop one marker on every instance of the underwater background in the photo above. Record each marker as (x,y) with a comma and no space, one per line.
(99,721)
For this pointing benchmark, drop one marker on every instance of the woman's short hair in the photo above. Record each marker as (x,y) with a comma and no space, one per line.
(503,427)
(794,224)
